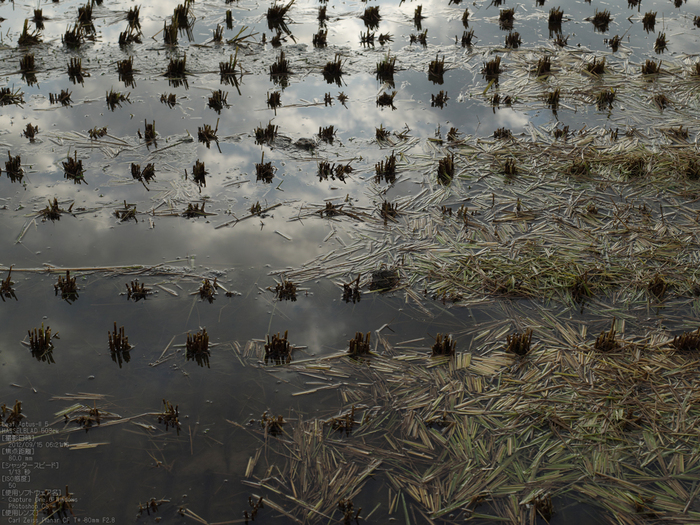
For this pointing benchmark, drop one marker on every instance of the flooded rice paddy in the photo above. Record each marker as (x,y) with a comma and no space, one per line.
(350,262)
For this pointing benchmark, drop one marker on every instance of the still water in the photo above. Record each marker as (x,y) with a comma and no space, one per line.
(478,437)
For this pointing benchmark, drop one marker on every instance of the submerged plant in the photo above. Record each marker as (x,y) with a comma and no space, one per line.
(351,291)
(383,38)
(132,18)
(114,99)
(182,18)
(276,14)
(267,134)
(274,100)
(39,19)
(601,20)
(73,169)
(278,350)
(125,69)
(371,17)
(367,39)
(544,66)
(467,38)
(207,290)
(119,346)
(7,97)
(687,341)
(29,39)
(272,426)
(503,133)
(176,72)
(421,38)
(68,287)
(13,168)
(439,100)
(137,291)
(30,131)
(26,63)
(169,34)
(169,98)
(197,210)
(661,44)
(606,341)
(444,346)
(605,99)
(446,170)
(577,168)
(552,99)
(359,345)
(227,70)
(128,37)
(327,134)
(555,18)
(384,280)
(320,38)
(492,69)
(651,68)
(561,40)
(691,169)
(40,344)
(127,213)
(635,166)
(322,16)
(513,40)
(279,70)
(544,507)
(199,174)
(63,97)
(207,135)
(649,21)
(333,71)
(6,290)
(218,35)
(143,176)
(561,133)
(170,417)
(381,133)
(53,211)
(518,343)
(661,101)
(197,347)
(597,67)
(385,69)
(264,171)
(74,37)
(506,17)
(695,70)
(657,287)
(436,70)
(76,73)
(386,169)
(614,43)
(386,99)
(286,291)
(387,211)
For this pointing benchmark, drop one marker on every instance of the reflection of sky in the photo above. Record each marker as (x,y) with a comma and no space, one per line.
(248,251)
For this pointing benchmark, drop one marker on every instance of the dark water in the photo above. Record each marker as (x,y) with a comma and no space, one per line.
(201,468)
